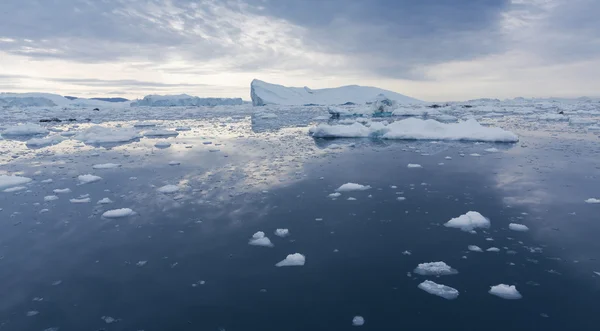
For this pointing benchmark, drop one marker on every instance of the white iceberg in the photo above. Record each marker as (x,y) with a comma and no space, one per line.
(358,321)
(411,165)
(87,179)
(85,200)
(259,239)
(334,195)
(592,200)
(14,189)
(184,100)
(282,233)
(440,290)
(504,291)
(417,129)
(474,248)
(292,260)
(435,269)
(62,190)
(105,201)
(518,227)
(493,249)
(349,187)
(49,198)
(27,129)
(469,222)
(118,213)
(8,181)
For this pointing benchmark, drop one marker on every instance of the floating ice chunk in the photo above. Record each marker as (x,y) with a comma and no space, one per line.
(401,198)
(108,319)
(493,249)
(348,187)
(505,292)
(476,155)
(358,321)
(105,201)
(411,165)
(167,189)
(492,150)
(161,133)
(42,142)
(469,222)
(47,181)
(183,128)
(32,313)
(14,189)
(118,213)
(282,233)
(259,239)
(174,163)
(351,199)
(597,273)
(474,248)
(27,129)
(144,124)
(50,198)
(440,290)
(7,181)
(406,253)
(103,135)
(592,200)
(518,227)
(162,144)
(106,166)
(87,179)
(435,269)
(141,263)
(448,158)
(85,200)
(413,128)
(292,260)
(335,195)
(62,190)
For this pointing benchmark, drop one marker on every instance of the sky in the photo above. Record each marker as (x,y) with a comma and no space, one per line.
(434,50)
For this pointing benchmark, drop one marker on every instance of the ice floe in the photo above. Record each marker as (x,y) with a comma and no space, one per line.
(413,166)
(493,249)
(103,135)
(161,133)
(474,248)
(14,189)
(518,227)
(118,213)
(440,290)
(43,142)
(62,190)
(282,233)
(7,181)
(162,144)
(105,201)
(87,179)
(27,129)
(435,269)
(106,166)
(358,321)
(167,189)
(349,187)
(49,198)
(469,222)
(259,239)
(292,260)
(592,200)
(334,195)
(505,292)
(84,200)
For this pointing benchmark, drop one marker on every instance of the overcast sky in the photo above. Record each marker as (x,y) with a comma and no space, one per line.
(434,50)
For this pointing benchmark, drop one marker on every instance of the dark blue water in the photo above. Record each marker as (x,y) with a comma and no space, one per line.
(85,267)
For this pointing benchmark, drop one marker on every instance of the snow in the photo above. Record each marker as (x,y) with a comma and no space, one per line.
(103,135)
(105,201)
(282,233)
(259,239)
(8,181)
(263,93)
(440,290)
(87,179)
(85,200)
(118,213)
(434,269)
(106,166)
(27,129)
(518,227)
(161,133)
(292,260)
(184,100)
(505,292)
(334,195)
(417,129)
(358,321)
(14,189)
(49,198)
(469,222)
(349,187)
(167,189)
(592,200)
(43,142)
(412,166)
(474,248)
(62,190)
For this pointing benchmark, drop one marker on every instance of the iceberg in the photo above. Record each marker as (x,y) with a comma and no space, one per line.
(7,181)
(440,290)
(469,222)
(263,93)
(27,129)
(184,100)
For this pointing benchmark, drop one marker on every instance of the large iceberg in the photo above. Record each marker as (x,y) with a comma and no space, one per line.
(184,100)
(264,93)
(23,100)
(416,129)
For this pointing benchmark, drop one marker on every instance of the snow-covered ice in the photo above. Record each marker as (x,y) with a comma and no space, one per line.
(8,181)
(435,269)
(14,189)
(167,189)
(62,190)
(469,222)
(118,213)
(413,166)
(105,135)
(105,201)
(334,195)
(440,290)
(358,321)
(505,292)
(43,142)
(349,187)
(87,179)
(26,129)
(292,260)
(106,166)
(282,233)
(259,239)
(518,227)
(162,144)
(49,198)
(84,200)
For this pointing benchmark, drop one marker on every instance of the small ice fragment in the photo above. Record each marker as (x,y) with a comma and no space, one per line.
(411,165)
(14,189)
(108,319)
(474,248)
(174,163)
(106,166)
(468,222)
(62,191)
(448,158)
(168,189)
(162,144)
(86,179)
(440,290)
(435,269)
(406,253)
(282,233)
(518,227)
(292,260)
(259,239)
(12,181)
(475,154)
(334,195)
(86,200)
(492,150)
(32,313)
(348,187)
(401,198)
(592,200)
(117,213)
(105,201)
(358,321)
(351,199)
(141,263)
(47,181)
(318,219)
(50,198)
(493,249)
(504,291)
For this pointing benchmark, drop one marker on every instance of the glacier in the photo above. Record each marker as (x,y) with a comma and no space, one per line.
(263,93)
(183,100)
